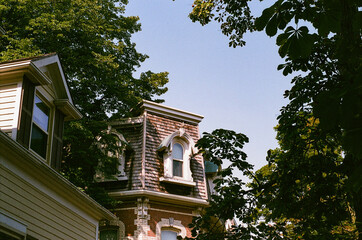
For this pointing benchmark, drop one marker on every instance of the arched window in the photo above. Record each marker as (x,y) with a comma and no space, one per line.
(177,159)
(169,229)
(177,150)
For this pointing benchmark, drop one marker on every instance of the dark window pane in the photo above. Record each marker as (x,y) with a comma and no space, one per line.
(41,114)
(7,237)
(177,168)
(177,151)
(109,235)
(38,141)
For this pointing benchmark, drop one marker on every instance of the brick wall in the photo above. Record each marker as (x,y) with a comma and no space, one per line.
(145,227)
(156,216)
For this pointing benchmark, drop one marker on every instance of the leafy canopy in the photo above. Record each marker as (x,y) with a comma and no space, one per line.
(295,196)
(93,41)
(321,39)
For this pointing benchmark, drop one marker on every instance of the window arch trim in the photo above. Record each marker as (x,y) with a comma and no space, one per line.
(170,224)
(166,144)
(185,140)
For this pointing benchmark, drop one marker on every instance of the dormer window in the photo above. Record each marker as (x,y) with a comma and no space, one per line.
(40,127)
(120,175)
(120,155)
(177,151)
(177,159)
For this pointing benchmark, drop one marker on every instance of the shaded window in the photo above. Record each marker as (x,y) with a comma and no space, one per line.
(39,133)
(112,170)
(168,235)
(9,237)
(109,234)
(177,159)
(24,133)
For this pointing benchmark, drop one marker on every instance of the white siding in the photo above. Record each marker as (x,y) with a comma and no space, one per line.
(44,217)
(9,107)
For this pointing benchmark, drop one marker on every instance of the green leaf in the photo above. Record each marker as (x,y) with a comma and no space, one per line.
(261,22)
(272,26)
(282,38)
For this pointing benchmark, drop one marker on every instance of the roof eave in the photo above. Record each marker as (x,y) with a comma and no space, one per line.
(157,108)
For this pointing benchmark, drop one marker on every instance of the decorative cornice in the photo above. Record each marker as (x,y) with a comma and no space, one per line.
(166,142)
(171,112)
(165,197)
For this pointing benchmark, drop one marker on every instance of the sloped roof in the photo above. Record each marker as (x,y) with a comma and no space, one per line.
(44,70)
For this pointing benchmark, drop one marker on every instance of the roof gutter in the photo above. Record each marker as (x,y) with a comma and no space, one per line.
(171,198)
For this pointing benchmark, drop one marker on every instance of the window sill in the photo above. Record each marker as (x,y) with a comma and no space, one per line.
(178,181)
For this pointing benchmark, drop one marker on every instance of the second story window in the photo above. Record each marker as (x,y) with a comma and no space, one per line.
(40,127)
(177,150)
(177,160)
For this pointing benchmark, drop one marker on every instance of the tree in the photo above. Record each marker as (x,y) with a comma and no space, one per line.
(93,41)
(293,197)
(307,182)
(323,40)
(235,198)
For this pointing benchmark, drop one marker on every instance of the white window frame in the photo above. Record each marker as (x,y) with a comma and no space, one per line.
(12,227)
(50,125)
(180,160)
(170,224)
(185,140)
(186,171)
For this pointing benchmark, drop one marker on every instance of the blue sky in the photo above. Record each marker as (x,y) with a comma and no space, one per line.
(233,88)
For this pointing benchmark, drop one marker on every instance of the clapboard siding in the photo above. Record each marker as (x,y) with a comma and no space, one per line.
(9,106)
(45,217)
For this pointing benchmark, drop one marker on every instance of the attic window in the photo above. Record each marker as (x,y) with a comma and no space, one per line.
(120,174)
(40,127)
(177,159)
(177,150)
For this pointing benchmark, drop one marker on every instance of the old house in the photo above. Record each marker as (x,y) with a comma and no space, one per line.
(161,181)
(36,202)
